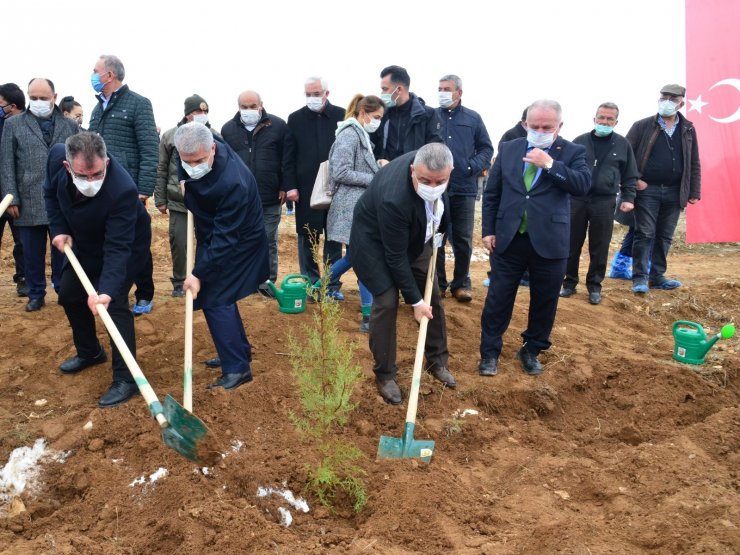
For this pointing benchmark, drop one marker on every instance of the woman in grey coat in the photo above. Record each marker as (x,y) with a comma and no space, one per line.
(352,167)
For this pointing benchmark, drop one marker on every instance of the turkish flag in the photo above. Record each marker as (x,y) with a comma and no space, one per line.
(713,105)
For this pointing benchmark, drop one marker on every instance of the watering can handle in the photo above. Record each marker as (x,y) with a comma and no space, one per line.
(295,276)
(688,324)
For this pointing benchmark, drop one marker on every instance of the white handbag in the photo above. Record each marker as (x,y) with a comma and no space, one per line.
(323,188)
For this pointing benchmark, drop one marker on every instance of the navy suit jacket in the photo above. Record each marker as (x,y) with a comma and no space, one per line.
(547,203)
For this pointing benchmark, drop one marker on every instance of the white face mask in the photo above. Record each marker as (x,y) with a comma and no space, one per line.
(196,172)
(315,103)
(372,125)
(667,108)
(540,140)
(40,108)
(87,188)
(250,117)
(201,118)
(429,193)
(445,99)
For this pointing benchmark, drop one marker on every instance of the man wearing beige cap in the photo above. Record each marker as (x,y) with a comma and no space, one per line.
(667,155)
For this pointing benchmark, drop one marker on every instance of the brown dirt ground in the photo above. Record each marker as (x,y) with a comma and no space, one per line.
(616,448)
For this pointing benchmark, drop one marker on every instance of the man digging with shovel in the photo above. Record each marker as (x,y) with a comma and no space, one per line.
(393,228)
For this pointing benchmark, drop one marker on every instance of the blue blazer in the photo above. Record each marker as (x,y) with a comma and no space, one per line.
(547,203)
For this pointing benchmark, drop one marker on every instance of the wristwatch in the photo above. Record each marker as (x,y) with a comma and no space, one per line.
(548,165)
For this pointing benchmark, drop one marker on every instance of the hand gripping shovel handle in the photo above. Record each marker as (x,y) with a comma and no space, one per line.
(146,390)
(5,203)
(187,393)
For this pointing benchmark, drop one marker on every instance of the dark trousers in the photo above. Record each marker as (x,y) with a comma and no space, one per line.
(545,278)
(34,240)
(271,217)
(595,216)
(657,210)
(332,254)
(145,279)
(19,274)
(383,323)
(460,234)
(73,298)
(178,245)
(232,345)
(629,238)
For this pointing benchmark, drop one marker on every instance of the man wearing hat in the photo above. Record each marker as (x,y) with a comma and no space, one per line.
(667,155)
(168,194)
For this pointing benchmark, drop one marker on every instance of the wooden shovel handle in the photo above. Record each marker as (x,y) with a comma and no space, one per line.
(5,203)
(187,393)
(146,390)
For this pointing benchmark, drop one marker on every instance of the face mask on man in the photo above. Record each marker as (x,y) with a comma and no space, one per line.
(540,140)
(445,99)
(88,188)
(388,100)
(601,130)
(372,125)
(429,193)
(201,118)
(196,172)
(250,117)
(315,103)
(96,83)
(40,108)
(667,108)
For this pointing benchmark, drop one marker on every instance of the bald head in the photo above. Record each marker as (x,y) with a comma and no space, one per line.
(250,100)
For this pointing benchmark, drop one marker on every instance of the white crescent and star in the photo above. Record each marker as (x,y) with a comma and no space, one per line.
(698,104)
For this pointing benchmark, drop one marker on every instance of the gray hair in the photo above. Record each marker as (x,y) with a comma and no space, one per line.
(193,136)
(610,106)
(89,145)
(546,105)
(435,156)
(311,80)
(454,78)
(114,64)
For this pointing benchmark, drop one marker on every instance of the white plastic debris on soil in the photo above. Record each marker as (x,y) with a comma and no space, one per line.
(286,519)
(156,475)
(463,413)
(22,469)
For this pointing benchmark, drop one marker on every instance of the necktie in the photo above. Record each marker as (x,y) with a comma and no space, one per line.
(529,174)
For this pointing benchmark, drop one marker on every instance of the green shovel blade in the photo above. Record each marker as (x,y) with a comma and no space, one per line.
(406,447)
(187,434)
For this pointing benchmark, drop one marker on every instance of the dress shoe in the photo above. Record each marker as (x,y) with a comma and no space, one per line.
(488,366)
(389,391)
(77,364)
(214,362)
(119,392)
(34,305)
(462,295)
(231,381)
(442,374)
(21,288)
(177,291)
(530,364)
(566,292)
(594,297)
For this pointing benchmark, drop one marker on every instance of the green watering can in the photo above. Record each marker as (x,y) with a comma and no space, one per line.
(691,343)
(291,296)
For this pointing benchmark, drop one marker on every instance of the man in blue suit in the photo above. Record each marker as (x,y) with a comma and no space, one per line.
(526,226)
(231,260)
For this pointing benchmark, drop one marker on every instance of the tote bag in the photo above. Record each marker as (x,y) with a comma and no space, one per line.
(323,189)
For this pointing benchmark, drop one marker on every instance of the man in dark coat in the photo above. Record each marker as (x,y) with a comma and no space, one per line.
(393,226)
(231,260)
(93,206)
(312,132)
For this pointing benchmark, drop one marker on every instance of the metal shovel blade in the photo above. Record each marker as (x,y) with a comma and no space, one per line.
(406,447)
(187,434)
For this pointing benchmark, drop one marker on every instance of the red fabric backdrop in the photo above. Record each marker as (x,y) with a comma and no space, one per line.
(713,105)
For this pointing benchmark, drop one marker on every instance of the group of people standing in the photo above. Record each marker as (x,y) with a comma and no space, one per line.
(404,175)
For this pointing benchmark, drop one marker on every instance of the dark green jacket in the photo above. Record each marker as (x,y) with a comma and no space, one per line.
(127,126)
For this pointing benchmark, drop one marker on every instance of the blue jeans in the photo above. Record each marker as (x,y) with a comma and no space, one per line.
(34,260)
(339,268)
(657,210)
(460,234)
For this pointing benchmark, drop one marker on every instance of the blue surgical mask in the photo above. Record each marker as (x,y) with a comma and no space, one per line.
(96,83)
(540,140)
(667,108)
(196,172)
(602,130)
(387,99)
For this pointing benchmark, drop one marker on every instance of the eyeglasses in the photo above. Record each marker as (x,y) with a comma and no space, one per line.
(93,177)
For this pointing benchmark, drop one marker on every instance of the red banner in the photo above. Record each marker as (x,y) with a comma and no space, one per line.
(713,105)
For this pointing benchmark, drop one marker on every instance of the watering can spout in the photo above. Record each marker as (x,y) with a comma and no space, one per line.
(277,292)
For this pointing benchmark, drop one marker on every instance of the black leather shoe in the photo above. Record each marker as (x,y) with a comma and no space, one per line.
(77,364)
(389,391)
(566,292)
(34,305)
(118,393)
(21,288)
(594,297)
(442,374)
(530,364)
(231,381)
(488,366)
(214,362)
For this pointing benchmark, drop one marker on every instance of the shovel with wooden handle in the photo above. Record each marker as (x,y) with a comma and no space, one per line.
(5,203)
(187,393)
(181,430)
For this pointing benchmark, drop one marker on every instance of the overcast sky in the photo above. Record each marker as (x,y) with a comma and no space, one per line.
(579,52)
